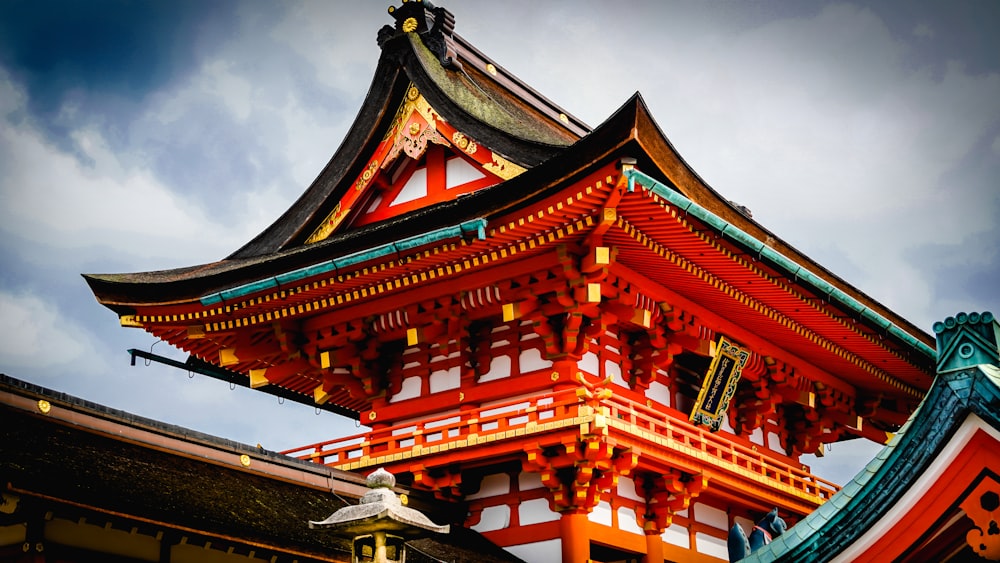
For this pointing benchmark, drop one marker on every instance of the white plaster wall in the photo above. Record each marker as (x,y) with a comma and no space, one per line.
(499,369)
(659,393)
(527,481)
(757,437)
(493,518)
(774,442)
(675,534)
(711,516)
(458,172)
(443,421)
(409,390)
(415,188)
(627,521)
(626,488)
(589,363)
(547,551)
(601,514)
(711,545)
(491,486)
(726,426)
(443,380)
(535,511)
(531,360)
(615,371)
(504,409)
(405,442)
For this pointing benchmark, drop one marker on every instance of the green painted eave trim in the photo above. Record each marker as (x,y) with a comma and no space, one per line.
(475,227)
(849,514)
(789,266)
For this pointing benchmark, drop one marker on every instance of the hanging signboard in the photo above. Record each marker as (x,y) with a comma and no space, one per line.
(720,384)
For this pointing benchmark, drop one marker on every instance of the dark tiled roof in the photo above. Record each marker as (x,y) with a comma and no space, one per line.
(91,457)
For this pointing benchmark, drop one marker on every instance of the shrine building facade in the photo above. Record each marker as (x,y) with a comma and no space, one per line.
(560,330)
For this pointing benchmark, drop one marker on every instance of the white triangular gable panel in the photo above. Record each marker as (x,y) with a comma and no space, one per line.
(414,189)
(458,172)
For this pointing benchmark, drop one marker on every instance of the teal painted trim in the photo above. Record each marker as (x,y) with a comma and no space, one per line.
(476,227)
(792,268)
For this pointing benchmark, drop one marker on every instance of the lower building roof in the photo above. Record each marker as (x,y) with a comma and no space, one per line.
(85,459)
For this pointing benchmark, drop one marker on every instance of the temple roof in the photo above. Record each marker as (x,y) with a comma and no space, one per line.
(434,94)
(921,495)
(465,87)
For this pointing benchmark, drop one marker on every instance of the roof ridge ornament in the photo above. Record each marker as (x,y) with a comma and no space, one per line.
(967,340)
(434,25)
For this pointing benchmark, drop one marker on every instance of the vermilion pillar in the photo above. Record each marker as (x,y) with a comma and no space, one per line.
(654,549)
(575,541)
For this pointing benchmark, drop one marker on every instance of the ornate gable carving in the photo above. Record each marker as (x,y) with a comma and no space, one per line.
(407,151)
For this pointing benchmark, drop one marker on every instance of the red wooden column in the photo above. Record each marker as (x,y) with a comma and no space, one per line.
(654,548)
(575,541)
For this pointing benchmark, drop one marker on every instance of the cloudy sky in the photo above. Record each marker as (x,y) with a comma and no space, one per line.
(149,135)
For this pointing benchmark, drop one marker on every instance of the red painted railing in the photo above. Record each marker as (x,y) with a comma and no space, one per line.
(496,423)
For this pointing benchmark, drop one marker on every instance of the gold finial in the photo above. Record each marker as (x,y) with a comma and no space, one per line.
(409,24)
(563,118)
(245,460)
(43,406)
(491,69)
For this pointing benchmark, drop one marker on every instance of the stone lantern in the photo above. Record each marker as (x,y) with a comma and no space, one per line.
(380,525)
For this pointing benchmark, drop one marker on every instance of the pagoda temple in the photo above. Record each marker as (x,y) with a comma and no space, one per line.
(562,330)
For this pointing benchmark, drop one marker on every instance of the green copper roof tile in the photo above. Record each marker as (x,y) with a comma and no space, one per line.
(794,269)
(838,501)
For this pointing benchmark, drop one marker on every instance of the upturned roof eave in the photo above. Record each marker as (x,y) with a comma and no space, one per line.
(629,132)
(187,284)
(373,119)
(406,60)
(661,160)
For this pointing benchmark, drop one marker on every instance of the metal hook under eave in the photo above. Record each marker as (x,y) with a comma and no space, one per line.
(149,361)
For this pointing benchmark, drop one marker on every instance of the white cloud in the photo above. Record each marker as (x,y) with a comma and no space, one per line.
(50,197)
(33,334)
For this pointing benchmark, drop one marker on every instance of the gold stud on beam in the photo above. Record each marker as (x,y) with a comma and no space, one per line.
(130,321)
(320,396)
(602,255)
(324,360)
(227,357)
(412,337)
(509,312)
(593,293)
(195,332)
(642,318)
(258,379)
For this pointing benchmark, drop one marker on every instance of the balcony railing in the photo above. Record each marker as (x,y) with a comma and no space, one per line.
(654,429)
